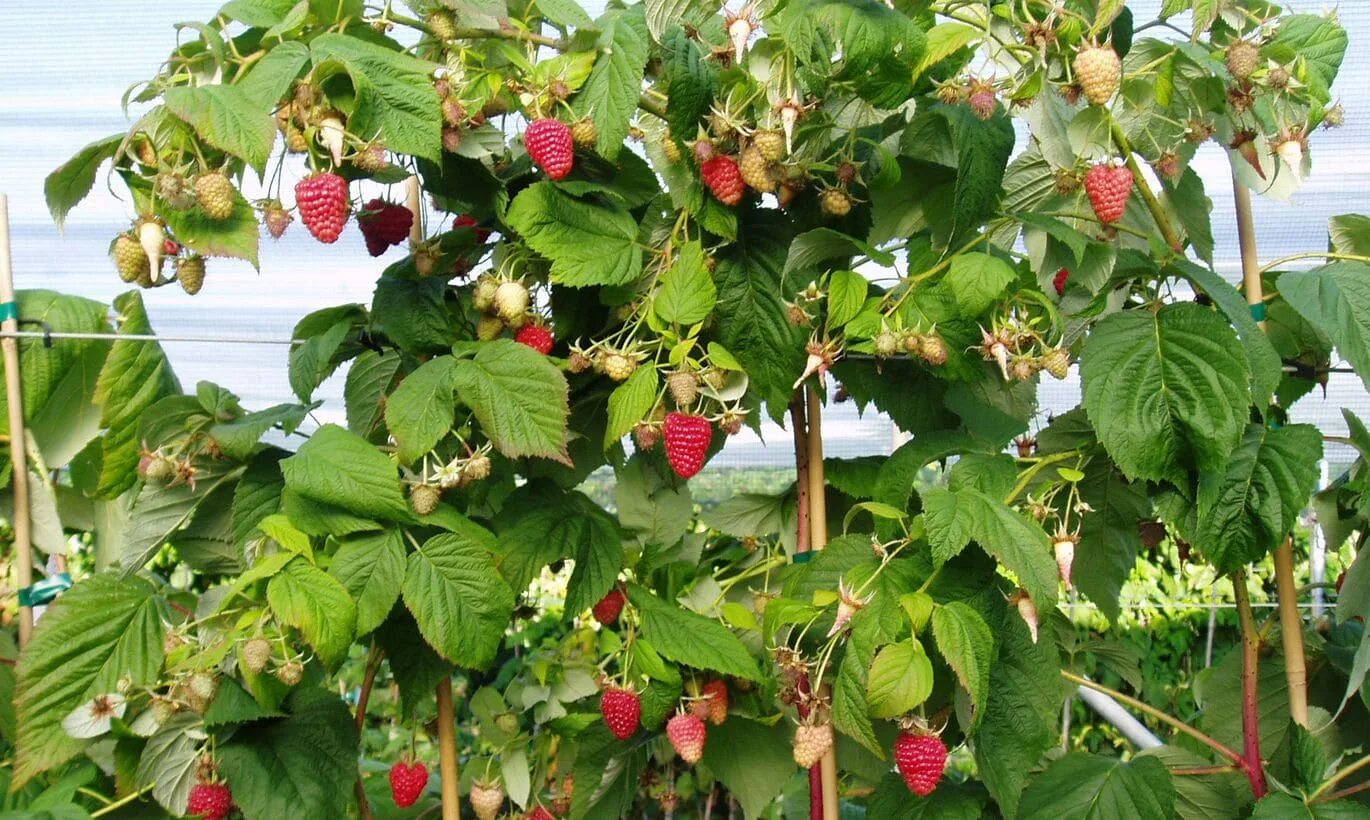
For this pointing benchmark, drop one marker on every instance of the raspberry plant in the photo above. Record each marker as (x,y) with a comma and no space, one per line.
(673,221)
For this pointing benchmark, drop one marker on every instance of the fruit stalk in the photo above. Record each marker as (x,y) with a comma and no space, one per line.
(818,539)
(14,394)
(447,749)
(1251,646)
(1153,204)
(1291,624)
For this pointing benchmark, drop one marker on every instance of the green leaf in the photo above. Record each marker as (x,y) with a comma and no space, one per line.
(259,13)
(1020,723)
(944,40)
(302,765)
(94,633)
(519,397)
(1187,199)
(416,667)
(692,639)
(395,98)
(977,279)
(610,95)
(72,180)
(369,379)
(168,762)
(317,604)
(983,149)
(1261,356)
(135,375)
(226,118)
(753,760)
(686,293)
(1350,234)
(846,296)
(371,568)
(160,511)
(690,80)
(967,643)
(1167,392)
(630,403)
(338,468)
(1084,787)
(420,411)
(1336,298)
(656,508)
(1077,242)
(1248,509)
(752,319)
(273,75)
(588,243)
(850,709)
(235,237)
(237,439)
(955,518)
(899,679)
(1317,42)
(458,598)
(812,248)
(1201,797)
(1280,806)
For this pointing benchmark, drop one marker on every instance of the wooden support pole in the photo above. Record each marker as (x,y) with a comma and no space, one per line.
(1291,624)
(818,539)
(14,394)
(447,748)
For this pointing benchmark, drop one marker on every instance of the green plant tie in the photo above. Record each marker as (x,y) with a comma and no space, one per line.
(8,310)
(45,590)
(1258,311)
(802,557)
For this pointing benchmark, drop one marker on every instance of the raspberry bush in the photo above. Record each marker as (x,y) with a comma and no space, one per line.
(638,235)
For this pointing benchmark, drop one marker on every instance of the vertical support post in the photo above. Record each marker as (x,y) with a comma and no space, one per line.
(818,537)
(413,199)
(14,394)
(1317,550)
(447,748)
(1291,624)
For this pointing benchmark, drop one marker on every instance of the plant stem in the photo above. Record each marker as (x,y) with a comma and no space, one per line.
(447,748)
(1153,204)
(1152,711)
(123,801)
(1284,260)
(1251,730)
(1026,478)
(373,665)
(1339,777)
(1291,623)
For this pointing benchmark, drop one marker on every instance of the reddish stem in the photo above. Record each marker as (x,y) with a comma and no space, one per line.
(801,464)
(1251,729)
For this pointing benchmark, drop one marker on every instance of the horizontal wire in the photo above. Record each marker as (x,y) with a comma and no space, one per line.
(1169,604)
(136,337)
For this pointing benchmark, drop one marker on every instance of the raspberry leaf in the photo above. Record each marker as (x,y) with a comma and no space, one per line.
(1167,392)
(690,83)
(630,403)
(72,180)
(976,280)
(899,679)
(686,293)
(96,631)
(160,512)
(752,759)
(1261,356)
(1246,512)
(168,761)
(317,604)
(226,118)
(519,398)
(420,411)
(338,468)
(692,639)
(1336,298)
(370,566)
(570,526)
(967,643)
(610,95)
(395,95)
(588,243)
(458,598)
(953,519)
(1100,787)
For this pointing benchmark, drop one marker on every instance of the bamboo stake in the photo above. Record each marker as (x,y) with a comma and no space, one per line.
(23,547)
(818,539)
(447,747)
(413,199)
(1291,625)
(799,427)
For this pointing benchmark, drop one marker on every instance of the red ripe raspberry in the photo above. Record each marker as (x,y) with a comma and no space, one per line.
(686,733)
(468,221)
(724,178)
(323,203)
(1109,187)
(551,147)
(921,759)
(622,710)
(535,336)
(212,801)
(384,224)
(1059,281)
(715,701)
(609,607)
(407,782)
(539,813)
(687,442)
